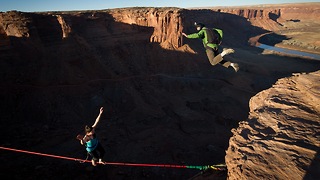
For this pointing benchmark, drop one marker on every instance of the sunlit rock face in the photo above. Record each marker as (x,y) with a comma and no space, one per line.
(280,139)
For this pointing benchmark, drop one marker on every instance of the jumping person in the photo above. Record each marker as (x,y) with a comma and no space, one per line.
(211,39)
(90,140)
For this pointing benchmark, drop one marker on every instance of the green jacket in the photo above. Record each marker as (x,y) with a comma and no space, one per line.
(202,34)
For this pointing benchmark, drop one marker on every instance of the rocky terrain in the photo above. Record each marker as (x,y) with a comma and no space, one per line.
(164,103)
(280,139)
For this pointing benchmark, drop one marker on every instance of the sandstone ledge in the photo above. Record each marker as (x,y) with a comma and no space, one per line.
(281,138)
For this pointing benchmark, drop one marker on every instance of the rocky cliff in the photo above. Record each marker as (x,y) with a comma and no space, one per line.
(107,41)
(280,139)
(74,40)
(272,17)
(166,23)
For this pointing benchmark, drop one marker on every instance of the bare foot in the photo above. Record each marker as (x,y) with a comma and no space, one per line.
(101,162)
(93,162)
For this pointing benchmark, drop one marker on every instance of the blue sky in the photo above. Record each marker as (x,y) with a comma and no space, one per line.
(67,5)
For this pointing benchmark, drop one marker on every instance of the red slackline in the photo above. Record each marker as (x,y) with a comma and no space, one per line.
(220,167)
(82,160)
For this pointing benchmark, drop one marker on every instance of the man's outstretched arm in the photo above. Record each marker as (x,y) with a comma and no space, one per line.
(193,36)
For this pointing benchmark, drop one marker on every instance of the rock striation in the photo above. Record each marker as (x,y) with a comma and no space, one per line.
(272,17)
(167,23)
(281,138)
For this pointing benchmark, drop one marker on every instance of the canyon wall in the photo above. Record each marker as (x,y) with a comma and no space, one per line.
(74,40)
(107,41)
(272,17)
(167,24)
(288,12)
(280,139)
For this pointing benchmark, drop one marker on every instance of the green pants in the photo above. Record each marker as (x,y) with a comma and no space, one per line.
(215,58)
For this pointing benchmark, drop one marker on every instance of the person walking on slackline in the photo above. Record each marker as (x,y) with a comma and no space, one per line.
(90,140)
(211,39)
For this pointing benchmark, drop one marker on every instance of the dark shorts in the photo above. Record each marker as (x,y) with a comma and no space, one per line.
(97,153)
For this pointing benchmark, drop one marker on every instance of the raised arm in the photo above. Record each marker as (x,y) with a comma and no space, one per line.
(194,35)
(98,118)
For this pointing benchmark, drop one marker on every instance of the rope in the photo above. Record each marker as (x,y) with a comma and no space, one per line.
(42,154)
(220,167)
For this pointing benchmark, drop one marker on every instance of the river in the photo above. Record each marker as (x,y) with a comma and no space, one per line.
(288,51)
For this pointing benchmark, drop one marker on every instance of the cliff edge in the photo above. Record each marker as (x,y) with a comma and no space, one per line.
(281,138)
